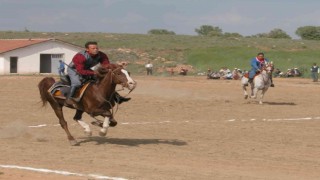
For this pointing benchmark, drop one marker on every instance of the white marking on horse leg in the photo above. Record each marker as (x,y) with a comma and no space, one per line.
(86,127)
(262,95)
(105,126)
(254,93)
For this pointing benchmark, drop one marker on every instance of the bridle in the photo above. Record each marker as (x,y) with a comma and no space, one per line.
(113,76)
(268,72)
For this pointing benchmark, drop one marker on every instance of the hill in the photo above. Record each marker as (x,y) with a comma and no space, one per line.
(194,52)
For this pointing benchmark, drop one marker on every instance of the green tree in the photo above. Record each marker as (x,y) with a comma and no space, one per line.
(275,33)
(309,32)
(278,34)
(207,30)
(161,31)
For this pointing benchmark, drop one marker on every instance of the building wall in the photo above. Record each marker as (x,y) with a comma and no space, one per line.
(1,64)
(29,57)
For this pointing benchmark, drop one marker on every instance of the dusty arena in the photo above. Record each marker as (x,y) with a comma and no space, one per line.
(187,128)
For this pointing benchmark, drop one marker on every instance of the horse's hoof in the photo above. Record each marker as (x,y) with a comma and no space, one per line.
(102,133)
(246,97)
(73,143)
(112,123)
(88,133)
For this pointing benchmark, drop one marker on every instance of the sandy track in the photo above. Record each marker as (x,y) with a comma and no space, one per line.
(173,128)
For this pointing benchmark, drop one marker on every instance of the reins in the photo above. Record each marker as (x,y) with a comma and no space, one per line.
(265,80)
(113,93)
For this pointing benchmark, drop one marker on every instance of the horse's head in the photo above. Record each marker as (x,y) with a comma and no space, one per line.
(268,68)
(119,75)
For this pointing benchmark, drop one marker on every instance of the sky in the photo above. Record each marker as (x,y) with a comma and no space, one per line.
(246,17)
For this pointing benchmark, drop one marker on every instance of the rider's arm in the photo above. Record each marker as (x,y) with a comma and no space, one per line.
(254,64)
(78,61)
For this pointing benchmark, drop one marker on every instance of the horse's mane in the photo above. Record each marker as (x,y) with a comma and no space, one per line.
(102,70)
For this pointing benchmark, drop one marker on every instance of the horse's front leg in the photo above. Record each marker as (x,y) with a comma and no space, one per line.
(105,126)
(262,95)
(254,92)
(78,117)
(245,92)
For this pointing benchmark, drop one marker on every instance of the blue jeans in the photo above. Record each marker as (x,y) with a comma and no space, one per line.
(252,72)
(74,77)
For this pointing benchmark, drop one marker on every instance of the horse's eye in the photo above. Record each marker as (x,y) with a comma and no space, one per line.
(129,73)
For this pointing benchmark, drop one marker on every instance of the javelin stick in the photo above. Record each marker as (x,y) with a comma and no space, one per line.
(71,68)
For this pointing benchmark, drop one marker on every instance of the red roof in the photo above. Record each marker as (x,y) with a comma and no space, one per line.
(12,44)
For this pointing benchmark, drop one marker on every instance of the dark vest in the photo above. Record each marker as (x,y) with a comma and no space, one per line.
(90,62)
(314,69)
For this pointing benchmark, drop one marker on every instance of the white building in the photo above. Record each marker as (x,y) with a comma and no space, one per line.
(29,56)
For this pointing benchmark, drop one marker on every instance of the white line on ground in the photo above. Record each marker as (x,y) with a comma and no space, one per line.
(66,173)
(230,120)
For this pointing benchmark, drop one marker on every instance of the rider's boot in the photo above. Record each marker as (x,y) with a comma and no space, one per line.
(272,85)
(70,99)
(120,99)
(250,80)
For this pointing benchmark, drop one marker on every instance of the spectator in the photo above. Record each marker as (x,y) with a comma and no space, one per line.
(289,73)
(236,74)
(229,75)
(314,72)
(61,68)
(183,71)
(149,68)
(277,73)
(209,72)
(296,72)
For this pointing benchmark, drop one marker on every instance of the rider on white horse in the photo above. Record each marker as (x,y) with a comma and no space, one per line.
(257,63)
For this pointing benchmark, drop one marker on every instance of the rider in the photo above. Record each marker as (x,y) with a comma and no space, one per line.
(80,67)
(257,63)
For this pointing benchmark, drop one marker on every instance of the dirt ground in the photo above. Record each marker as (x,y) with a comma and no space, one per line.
(173,128)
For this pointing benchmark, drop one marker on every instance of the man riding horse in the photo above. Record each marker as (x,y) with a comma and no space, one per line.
(257,63)
(80,68)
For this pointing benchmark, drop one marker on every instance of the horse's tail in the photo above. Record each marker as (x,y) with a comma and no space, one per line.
(44,86)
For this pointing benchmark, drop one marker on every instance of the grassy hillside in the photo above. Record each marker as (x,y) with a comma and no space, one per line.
(166,51)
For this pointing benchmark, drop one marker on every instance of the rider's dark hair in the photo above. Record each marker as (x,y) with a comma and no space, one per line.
(90,43)
(260,53)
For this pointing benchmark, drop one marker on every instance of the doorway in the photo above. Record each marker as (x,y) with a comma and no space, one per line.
(49,63)
(13,64)
(45,63)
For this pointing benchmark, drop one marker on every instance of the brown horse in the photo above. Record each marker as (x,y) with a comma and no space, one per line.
(97,99)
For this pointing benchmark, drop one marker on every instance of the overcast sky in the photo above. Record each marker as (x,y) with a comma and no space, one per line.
(247,17)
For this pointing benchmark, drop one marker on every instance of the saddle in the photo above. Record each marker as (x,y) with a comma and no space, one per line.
(247,75)
(61,89)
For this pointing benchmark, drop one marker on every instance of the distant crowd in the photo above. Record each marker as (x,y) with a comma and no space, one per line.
(226,74)
(236,73)
(294,72)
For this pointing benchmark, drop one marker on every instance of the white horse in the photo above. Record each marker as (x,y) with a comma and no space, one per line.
(261,82)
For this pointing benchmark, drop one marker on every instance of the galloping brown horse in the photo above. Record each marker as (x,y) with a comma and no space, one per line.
(97,99)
